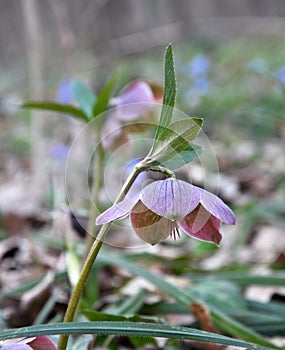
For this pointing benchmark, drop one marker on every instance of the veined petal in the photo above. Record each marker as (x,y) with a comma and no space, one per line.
(118,211)
(202,225)
(149,226)
(170,198)
(217,207)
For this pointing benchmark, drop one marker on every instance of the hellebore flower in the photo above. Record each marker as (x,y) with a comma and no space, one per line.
(133,103)
(31,343)
(163,207)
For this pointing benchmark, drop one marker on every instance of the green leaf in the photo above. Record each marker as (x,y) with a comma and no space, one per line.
(56,107)
(101,316)
(104,96)
(126,329)
(244,279)
(129,306)
(224,294)
(175,139)
(186,298)
(84,96)
(188,155)
(169,94)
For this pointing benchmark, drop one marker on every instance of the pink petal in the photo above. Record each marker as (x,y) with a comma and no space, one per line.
(202,225)
(170,198)
(217,207)
(118,211)
(135,92)
(135,101)
(42,343)
(149,226)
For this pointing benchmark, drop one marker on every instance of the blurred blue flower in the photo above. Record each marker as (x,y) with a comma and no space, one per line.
(201,86)
(59,152)
(280,75)
(64,92)
(199,66)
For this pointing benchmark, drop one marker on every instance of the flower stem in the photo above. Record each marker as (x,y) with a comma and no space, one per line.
(78,289)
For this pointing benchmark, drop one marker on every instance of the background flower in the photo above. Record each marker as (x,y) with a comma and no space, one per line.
(133,104)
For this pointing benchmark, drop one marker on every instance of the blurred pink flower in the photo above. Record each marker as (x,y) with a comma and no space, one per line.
(32,343)
(164,206)
(133,104)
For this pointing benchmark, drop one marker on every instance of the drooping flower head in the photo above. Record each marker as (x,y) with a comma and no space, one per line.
(164,207)
(134,103)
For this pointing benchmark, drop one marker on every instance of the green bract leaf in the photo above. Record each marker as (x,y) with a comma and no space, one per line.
(127,329)
(104,96)
(84,96)
(188,155)
(169,94)
(57,107)
(175,138)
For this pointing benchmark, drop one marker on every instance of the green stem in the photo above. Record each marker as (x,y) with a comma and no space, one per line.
(78,289)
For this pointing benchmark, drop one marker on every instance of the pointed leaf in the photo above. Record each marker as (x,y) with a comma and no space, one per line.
(188,155)
(127,329)
(57,107)
(175,139)
(104,96)
(84,96)
(169,93)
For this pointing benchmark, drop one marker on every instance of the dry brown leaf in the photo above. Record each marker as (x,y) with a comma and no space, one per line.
(203,316)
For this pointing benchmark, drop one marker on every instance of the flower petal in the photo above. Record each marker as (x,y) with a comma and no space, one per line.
(42,343)
(118,211)
(202,225)
(217,207)
(170,198)
(134,101)
(149,226)
(16,346)
(135,92)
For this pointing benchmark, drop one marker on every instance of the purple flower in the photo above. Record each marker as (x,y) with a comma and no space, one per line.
(163,207)
(32,343)
(59,152)
(132,104)
(64,92)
